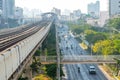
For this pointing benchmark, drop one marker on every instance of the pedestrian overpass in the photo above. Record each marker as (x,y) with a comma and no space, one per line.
(82,59)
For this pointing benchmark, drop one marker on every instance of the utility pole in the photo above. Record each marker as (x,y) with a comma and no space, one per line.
(91,49)
(33,15)
(58,54)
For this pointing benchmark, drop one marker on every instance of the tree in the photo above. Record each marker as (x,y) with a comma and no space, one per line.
(107,47)
(97,47)
(35,66)
(37,53)
(23,78)
(79,28)
(117,45)
(114,23)
(118,65)
(97,37)
(104,47)
(93,37)
(51,70)
(46,52)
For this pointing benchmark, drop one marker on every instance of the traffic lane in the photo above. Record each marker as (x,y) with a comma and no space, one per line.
(99,76)
(69,72)
(87,68)
(85,71)
(90,76)
(78,76)
(69,69)
(95,78)
(72,70)
(102,76)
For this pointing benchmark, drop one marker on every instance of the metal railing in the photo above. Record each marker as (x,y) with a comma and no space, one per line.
(79,59)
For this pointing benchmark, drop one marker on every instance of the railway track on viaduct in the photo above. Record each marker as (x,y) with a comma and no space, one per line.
(7,40)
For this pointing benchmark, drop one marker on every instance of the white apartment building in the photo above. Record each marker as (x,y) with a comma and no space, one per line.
(19,14)
(94,9)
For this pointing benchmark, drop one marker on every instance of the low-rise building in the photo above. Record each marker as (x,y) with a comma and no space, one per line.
(93,22)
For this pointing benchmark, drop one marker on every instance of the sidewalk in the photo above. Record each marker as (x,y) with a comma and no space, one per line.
(108,73)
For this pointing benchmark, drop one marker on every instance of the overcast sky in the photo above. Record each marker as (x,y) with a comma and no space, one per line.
(47,5)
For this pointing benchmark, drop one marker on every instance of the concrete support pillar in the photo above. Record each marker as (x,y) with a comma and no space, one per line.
(27,71)
(40,47)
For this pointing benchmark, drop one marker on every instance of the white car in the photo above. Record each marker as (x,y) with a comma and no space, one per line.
(92,70)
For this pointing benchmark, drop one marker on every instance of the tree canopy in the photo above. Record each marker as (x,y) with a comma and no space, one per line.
(92,36)
(114,23)
(107,47)
(79,28)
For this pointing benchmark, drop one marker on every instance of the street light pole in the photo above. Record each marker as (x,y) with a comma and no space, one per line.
(58,54)
(91,48)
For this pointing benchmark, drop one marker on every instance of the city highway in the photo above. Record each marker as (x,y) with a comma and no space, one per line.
(69,46)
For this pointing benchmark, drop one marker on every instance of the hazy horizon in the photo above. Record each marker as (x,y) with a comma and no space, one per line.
(47,5)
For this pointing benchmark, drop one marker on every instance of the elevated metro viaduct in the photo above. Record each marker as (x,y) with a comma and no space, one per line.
(14,59)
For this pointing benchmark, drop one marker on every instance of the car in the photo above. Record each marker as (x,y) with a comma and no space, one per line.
(92,70)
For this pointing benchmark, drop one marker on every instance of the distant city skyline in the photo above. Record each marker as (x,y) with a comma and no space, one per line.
(47,5)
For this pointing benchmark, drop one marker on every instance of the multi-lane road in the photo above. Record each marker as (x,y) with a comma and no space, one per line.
(69,46)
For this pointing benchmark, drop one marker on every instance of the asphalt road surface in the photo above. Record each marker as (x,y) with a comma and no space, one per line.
(69,46)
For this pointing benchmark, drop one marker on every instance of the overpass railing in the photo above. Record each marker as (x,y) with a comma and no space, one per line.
(79,59)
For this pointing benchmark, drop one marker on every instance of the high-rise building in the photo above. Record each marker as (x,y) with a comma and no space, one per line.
(114,7)
(7,7)
(94,9)
(3,8)
(10,8)
(1,4)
